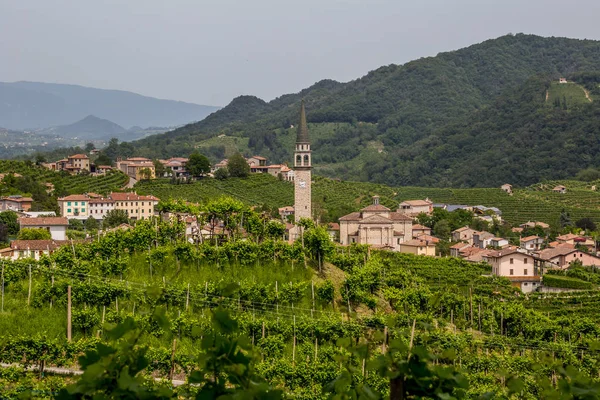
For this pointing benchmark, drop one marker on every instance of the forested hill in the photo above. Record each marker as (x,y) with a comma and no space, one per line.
(419,123)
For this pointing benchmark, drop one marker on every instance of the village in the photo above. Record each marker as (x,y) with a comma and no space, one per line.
(522,257)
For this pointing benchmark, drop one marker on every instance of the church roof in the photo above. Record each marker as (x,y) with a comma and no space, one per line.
(355,216)
(302,135)
(375,207)
(400,217)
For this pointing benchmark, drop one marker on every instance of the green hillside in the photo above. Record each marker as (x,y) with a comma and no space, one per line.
(438,121)
(336,198)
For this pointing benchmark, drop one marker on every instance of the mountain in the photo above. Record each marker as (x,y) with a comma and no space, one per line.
(35,105)
(421,123)
(90,128)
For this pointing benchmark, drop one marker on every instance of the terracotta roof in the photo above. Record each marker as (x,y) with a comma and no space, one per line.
(417,202)
(550,253)
(429,238)
(355,216)
(528,238)
(44,221)
(259,157)
(74,197)
(460,245)
(484,235)
(497,239)
(504,252)
(274,166)
(464,228)
(79,156)
(138,159)
(116,196)
(375,207)
(420,227)
(18,199)
(334,226)
(103,167)
(568,236)
(286,208)
(101,201)
(517,230)
(417,242)
(37,244)
(399,217)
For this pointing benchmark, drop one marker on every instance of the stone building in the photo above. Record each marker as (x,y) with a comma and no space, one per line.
(302,174)
(376,225)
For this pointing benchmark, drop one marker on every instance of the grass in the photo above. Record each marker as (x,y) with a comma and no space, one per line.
(571,92)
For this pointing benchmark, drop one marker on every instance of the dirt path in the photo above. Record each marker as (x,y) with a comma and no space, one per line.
(129,184)
(587,94)
(547,94)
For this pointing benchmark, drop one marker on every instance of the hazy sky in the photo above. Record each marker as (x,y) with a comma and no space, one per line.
(208,52)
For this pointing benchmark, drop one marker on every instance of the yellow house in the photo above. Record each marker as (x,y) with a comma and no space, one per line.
(419,247)
(137,168)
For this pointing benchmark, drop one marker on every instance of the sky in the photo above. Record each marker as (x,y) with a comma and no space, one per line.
(209,52)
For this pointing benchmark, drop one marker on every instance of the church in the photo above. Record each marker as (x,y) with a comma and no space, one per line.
(376,225)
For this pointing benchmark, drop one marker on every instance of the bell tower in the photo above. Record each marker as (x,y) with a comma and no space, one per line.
(302,170)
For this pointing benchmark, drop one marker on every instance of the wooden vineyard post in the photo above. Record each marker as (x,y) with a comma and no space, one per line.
(277,296)
(52,286)
(294,345)
(479,317)
(2,308)
(501,323)
(69,313)
(471,304)
(263,329)
(29,291)
(385,336)
(187,298)
(173,359)
(103,313)
(316,348)
(412,338)
(312,283)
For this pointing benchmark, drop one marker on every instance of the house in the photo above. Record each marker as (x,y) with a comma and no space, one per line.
(74,206)
(415,207)
(221,164)
(285,212)
(103,169)
(15,203)
(482,239)
(562,80)
(532,243)
(563,256)
(333,229)
(533,224)
(137,168)
(456,248)
(418,247)
(136,206)
(57,226)
(560,189)
(258,164)
(418,229)
(488,214)
(78,163)
(507,188)
(428,238)
(83,206)
(287,174)
(175,166)
(376,225)
(498,242)
(523,270)
(464,234)
(31,248)
(574,240)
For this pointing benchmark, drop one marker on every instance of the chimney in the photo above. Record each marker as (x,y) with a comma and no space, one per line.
(376,200)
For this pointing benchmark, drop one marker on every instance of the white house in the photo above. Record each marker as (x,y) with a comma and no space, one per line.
(532,242)
(520,268)
(415,207)
(57,226)
(464,234)
(31,248)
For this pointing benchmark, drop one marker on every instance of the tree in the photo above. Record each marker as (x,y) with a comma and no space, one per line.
(441,229)
(198,164)
(91,224)
(221,174)
(89,147)
(39,159)
(103,159)
(238,166)
(75,224)
(159,168)
(319,244)
(34,234)
(586,224)
(9,218)
(565,219)
(3,234)
(146,173)
(115,218)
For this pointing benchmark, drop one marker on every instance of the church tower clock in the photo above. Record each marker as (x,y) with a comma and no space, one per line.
(302,170)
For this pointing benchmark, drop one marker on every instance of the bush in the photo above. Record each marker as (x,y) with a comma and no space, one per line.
(557,281)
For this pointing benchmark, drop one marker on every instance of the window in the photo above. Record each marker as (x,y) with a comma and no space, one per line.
(306,159)
(75,203)
(142,204)
(298,159)
(512,271)
(525,261)
(83,210)
(68,210)
(525,272)
(83,203)
(68,203)
(512,262)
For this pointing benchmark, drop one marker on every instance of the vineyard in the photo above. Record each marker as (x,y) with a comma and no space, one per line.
(114,180)
(535,203)
(301,329)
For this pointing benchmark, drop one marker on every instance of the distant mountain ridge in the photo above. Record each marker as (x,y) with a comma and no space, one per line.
(91,128)
(35,105)
(420,123)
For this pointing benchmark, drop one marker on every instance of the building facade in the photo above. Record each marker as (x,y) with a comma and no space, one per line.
(302,169)
(57,226)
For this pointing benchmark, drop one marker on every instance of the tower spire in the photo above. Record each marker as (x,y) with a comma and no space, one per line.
(302,135)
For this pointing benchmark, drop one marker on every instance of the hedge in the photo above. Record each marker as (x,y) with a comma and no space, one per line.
(565,282)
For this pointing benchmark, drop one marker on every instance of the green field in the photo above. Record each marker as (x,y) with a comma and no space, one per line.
(573,93)
(535,203)
(291,316)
